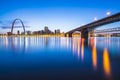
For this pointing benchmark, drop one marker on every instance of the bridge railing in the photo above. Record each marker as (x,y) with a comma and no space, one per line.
(108,30)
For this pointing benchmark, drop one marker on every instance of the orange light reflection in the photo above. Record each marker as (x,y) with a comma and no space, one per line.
(94,57)
(106,62)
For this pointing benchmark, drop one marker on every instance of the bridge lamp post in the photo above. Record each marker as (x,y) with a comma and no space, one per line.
(95,19)
(108,13)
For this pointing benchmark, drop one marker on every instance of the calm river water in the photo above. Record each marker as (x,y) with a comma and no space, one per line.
(59,58)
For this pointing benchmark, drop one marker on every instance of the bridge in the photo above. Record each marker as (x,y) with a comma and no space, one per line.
(85,29)
(111,30)
(107,32)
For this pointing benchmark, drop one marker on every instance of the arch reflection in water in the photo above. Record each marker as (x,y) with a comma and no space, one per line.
(17,45)
(106,62)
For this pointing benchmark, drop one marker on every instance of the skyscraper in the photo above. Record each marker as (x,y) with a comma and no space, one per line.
(46,29)
(18,32)
(57,31)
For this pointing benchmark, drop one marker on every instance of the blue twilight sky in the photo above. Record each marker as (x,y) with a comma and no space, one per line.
(56,14)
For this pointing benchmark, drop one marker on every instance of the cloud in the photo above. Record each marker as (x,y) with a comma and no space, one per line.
(9,27)
(11,21)
(7,24)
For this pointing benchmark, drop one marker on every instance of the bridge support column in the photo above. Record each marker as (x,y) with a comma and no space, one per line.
(91,33)
(84,34)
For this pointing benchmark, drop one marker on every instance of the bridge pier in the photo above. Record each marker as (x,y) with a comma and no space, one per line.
(84,34)
(91,33)
(86,28)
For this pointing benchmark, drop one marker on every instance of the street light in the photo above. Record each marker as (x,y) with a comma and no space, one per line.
(95,19)
(108,13)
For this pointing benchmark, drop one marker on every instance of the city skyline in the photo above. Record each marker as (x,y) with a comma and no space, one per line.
(61,14)
(45,31)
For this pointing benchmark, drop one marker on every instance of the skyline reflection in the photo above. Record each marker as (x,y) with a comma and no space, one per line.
(56,54)
(6,42)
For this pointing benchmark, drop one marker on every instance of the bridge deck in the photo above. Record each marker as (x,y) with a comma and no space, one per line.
(107,20)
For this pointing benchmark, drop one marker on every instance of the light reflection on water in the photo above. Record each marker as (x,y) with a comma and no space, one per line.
(106,62)
(97,58)
(82,50)
(94,57)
